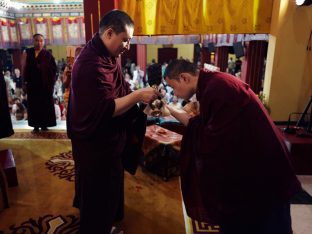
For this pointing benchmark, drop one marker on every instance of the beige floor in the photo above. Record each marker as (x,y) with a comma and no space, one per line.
(302,214)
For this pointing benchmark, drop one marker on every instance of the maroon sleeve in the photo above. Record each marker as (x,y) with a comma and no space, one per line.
(92,98)
(230,153)
(220,105)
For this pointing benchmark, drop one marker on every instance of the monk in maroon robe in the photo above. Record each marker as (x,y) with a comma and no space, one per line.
(104,123)
(40,76)
(235,168)
(6,128)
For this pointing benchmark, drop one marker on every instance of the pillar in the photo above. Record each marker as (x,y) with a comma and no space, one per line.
(221,59)
(205,56)
(17,58)
(93,12)
(253,66)
(141,58)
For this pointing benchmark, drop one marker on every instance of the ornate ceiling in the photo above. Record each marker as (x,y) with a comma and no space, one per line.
(41,6)
(48,1)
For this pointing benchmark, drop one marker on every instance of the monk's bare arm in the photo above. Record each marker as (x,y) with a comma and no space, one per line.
(180,115)
(123,104)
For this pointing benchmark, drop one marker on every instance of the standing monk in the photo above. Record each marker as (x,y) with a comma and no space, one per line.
(40,76)
(235,167)
(102,114)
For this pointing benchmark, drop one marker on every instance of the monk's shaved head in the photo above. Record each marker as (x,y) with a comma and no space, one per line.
(117,20)
(176,67)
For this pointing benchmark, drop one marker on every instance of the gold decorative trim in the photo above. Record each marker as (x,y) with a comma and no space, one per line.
(99,10)
(91,21)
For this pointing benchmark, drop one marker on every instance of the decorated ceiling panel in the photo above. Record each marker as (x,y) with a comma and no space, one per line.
(61,23)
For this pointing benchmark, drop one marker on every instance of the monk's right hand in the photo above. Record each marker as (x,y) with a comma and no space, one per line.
(148,94)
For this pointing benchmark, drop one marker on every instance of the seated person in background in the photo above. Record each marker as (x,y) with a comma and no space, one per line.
(58,88)
(18,80)
(138,76)
(175,103)
(57,108)
(18,109)
(63,110)
(67,83)
(129,79)
(24,98)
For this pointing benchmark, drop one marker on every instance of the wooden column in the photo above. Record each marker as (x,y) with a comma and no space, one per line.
(205,56)
(221,60)
(141,58)
(17,58)
(253,66)
(93,12)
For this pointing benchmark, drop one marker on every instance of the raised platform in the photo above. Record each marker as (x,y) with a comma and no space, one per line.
(300,148)
(8,164)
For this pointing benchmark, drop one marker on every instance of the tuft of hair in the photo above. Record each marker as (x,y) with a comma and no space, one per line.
(117,20)
(154,74)
(178,66)
(37,34)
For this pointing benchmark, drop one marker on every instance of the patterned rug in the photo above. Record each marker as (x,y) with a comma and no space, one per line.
(48,224)
(62,166)
(41,203)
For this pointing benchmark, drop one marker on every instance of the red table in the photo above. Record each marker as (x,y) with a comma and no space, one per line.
(161,151)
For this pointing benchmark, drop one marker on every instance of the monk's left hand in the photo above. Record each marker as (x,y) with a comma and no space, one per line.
(148,94)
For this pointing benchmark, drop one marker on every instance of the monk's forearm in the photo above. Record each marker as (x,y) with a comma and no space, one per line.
(145,95)
(123,104)
(180,115)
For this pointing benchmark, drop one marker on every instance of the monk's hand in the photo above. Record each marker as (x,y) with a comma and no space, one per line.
(179,114)
(148,94)
(170,108)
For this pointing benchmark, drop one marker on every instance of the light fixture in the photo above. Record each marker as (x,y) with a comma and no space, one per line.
(303,2)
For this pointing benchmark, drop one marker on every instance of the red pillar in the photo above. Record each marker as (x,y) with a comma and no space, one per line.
(221,60)
(205,56)
(93,12)
(17,58)
(141,57)
(253,66)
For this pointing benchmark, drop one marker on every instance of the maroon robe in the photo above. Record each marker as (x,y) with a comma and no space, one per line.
(6,128)
(235,164)
(99,139)
(40,76)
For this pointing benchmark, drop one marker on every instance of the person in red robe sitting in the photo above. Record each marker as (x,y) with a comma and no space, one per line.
(235,168)
(39,77)
(103,121)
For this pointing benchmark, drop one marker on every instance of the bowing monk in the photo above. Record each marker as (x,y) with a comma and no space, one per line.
(39,77)
(104,124)
(235,168)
